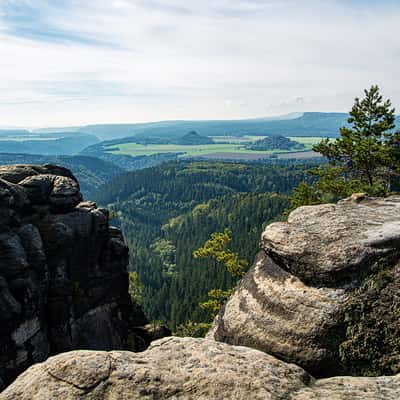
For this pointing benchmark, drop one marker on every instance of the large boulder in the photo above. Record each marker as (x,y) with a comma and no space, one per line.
(63,272)
(324,291)
(187,368)
(18,172)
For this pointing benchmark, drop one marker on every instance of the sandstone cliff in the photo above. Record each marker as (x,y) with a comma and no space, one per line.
(324,291)
(187,368)
(63,278)
(322,294)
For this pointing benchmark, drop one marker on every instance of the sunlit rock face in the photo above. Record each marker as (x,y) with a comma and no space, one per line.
(323,293)
(63,277)
(324,290)
(187,369)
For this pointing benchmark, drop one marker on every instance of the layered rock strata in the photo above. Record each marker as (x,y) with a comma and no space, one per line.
(324,290)
(63,276)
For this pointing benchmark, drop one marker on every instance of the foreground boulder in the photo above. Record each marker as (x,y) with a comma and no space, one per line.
(324,291)
(187,368)
(63,277)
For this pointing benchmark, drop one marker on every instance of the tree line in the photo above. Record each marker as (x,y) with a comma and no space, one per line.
(167,212)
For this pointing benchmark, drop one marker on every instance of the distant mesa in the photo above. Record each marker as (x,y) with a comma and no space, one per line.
(191,138)
(299,124)
(310,124)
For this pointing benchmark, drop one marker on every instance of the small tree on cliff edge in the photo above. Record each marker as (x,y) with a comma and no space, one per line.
(217,248)
(364,158)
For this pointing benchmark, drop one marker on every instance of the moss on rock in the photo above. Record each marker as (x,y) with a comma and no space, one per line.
(372,318)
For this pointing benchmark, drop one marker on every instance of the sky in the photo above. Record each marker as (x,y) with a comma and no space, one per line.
(75,62)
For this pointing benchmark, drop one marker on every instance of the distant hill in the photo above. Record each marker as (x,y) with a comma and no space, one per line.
(295,124)
(193,138)
(275,143)
(91,172)
(25,134)
(307,124)
(13,132)
(54,144)
(68,129)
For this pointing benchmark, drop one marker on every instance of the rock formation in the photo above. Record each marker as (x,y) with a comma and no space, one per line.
(63,278)
(324,291)
(187,368)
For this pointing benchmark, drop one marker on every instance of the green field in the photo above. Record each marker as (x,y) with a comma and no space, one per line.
(236,139)
(307,141)
(135,149)
(225,144)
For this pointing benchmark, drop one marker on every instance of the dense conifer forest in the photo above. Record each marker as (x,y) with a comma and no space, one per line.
(167,212)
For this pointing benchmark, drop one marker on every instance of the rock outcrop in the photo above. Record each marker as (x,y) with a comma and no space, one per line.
(187,368)
(63,277)
(324,291)
(324,294)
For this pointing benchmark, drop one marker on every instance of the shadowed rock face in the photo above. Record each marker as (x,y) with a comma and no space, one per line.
(63,278)
(299,300)
(187,368)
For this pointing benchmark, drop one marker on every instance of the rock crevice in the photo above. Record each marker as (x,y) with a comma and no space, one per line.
(63,271)
(187,369)
(299,301)
(322,299)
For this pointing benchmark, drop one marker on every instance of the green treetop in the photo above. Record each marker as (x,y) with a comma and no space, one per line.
(365,158)
(217,248)
(363,149)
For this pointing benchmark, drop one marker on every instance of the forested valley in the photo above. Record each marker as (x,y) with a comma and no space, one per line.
(167,212)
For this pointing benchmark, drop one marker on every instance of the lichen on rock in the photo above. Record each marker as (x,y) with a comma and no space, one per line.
(371,315)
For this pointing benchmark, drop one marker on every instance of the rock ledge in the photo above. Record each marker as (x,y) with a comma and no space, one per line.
(187,368)
(300,297)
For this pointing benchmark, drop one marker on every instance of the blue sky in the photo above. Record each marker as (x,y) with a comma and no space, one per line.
(68,62)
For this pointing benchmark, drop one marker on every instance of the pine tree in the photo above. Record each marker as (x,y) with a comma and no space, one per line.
(363,151)
(365,158)
(217,248)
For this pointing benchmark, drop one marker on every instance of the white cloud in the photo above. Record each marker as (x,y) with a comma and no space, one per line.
(129,60)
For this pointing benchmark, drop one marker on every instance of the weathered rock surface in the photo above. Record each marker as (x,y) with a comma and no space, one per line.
(63,278)
(299,300)
(332,242)
(187,368)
